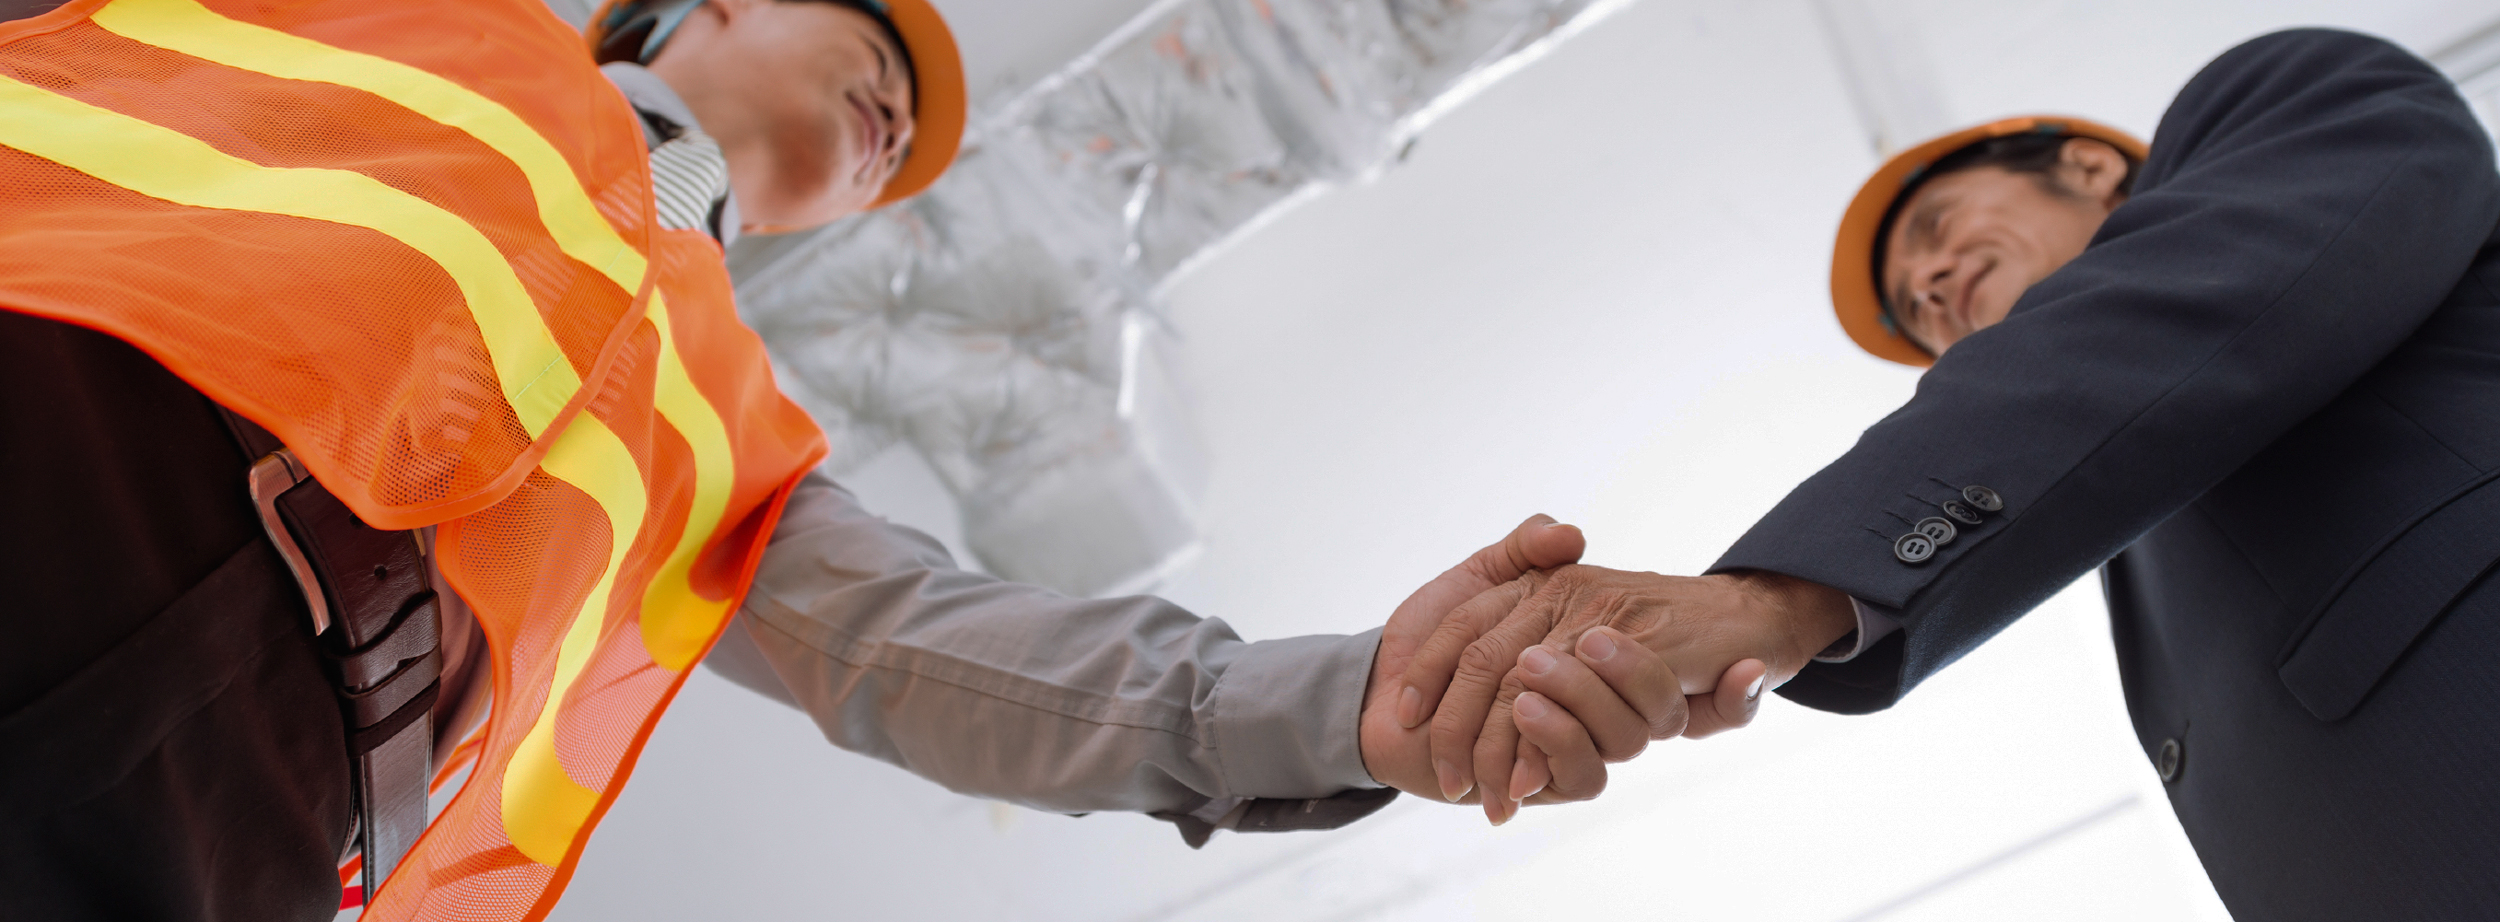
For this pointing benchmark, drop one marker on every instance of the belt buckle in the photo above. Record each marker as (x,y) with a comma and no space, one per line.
(273,475)
(384,664)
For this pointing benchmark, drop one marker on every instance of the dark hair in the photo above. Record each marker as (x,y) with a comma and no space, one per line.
(2034,154)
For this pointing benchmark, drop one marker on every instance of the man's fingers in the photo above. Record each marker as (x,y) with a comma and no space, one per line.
(1428,675)
(1540,543)
(1578,772)
(1734,703)
(1638,675)
(1618,731)
(1531,773)
(1497,754)
(1465,710)
(1537,542)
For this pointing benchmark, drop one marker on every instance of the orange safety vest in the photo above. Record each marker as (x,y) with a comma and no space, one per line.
(415,241)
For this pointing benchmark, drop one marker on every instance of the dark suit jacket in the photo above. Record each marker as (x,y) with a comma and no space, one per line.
(2267,396)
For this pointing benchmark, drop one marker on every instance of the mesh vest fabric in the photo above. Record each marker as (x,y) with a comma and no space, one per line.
(416,241)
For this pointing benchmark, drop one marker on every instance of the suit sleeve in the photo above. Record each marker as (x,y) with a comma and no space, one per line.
(2311,198)
(1017,693)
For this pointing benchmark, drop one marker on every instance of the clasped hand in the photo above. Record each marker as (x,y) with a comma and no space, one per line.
(1523,673)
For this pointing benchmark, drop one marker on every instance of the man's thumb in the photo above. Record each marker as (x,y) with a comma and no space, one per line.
(1537,544)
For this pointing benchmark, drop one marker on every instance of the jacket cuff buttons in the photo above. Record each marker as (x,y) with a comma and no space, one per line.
(1985,499)
(1934,532)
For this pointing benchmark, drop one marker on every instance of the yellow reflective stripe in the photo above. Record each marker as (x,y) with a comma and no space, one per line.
(677,622)
(544,809)
(185,26)
(161,163)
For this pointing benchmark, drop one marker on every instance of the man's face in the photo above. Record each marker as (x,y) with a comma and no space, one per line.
(811,104)
(1969,243)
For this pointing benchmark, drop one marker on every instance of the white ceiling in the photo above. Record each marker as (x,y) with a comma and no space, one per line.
(1595,291)
(1007,44)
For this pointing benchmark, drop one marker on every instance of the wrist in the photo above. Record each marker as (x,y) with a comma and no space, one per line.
(1810,616)
(1391,754)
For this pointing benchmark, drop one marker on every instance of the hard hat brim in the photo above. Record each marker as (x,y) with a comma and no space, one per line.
(940,101)
(1855,297)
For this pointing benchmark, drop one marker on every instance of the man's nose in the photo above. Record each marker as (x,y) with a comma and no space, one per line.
(1930,275)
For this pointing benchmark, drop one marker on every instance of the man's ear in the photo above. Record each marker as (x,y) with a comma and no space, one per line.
(2093,169)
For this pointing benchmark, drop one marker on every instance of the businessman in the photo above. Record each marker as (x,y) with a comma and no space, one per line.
(2251,373)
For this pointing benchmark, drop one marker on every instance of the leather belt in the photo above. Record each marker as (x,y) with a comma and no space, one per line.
(378,622)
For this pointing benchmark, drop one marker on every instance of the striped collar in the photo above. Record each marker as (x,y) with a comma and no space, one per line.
(682,157)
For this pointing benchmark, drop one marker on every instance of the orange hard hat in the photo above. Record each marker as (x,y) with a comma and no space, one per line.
(939,100)
(1856,295)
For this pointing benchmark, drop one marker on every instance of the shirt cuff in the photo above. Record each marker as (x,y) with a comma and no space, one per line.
(1875,623)
(1288,716)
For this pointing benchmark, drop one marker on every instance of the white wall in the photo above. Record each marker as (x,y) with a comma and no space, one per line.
(1597,291)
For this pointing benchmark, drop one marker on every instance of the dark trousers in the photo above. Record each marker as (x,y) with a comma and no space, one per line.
(170,746)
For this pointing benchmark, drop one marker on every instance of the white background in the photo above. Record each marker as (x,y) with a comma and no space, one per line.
(1596,291)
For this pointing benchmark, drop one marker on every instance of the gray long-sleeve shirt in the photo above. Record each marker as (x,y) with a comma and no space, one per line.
(1017,693)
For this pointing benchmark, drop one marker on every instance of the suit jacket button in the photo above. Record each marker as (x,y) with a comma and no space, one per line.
(2171,758)
(1913,548)
(1936,530)
(1986,499)
(1960,511)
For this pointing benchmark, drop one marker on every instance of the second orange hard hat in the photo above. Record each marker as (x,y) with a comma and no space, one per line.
(1855,287)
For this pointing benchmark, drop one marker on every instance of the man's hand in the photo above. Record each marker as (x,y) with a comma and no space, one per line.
(1399,754)
(1730,636)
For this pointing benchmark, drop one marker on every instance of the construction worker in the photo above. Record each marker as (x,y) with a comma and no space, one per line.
(2251,373)
(374,413)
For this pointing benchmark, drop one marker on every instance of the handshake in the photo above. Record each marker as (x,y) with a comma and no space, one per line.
(1516,676)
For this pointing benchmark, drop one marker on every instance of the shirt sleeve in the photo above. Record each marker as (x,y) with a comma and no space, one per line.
(1875,623)
(1016,693)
